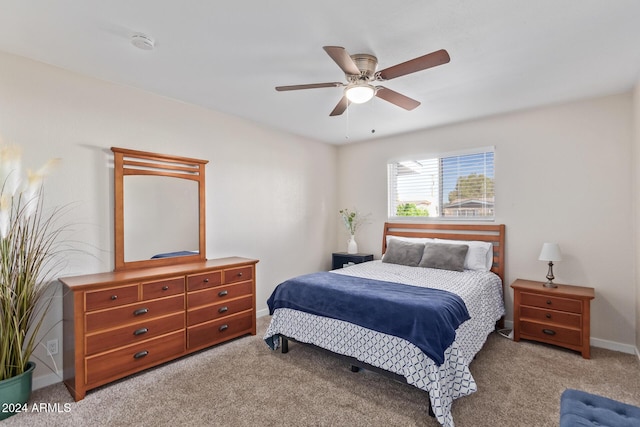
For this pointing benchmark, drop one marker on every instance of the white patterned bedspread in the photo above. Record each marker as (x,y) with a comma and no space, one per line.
(480,291)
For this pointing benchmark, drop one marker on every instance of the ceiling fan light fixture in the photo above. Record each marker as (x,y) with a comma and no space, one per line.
(360,93)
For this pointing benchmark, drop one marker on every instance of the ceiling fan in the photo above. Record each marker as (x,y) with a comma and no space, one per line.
(360,72)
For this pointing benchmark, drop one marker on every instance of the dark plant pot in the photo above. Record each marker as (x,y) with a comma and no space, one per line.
(15,392)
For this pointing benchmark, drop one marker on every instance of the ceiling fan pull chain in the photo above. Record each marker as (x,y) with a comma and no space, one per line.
(346,136)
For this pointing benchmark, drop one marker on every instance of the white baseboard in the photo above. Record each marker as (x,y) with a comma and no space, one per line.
(46,380)
(262,313)
(615,346)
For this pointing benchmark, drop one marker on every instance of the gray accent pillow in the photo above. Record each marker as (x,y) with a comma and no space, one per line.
(444,256)
(404,253)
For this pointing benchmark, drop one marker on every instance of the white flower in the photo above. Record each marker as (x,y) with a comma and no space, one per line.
(10,169)
(5,215)
(34,184)
(10,186)
(352,220)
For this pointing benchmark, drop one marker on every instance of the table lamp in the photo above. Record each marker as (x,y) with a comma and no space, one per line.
(550,252)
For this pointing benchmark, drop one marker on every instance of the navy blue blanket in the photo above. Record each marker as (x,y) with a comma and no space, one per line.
(426,317)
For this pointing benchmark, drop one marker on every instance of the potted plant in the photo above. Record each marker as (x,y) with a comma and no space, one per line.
(28,260)
(352,220)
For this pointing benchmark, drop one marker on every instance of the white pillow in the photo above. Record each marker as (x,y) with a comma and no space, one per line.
(411,239)
(480,254)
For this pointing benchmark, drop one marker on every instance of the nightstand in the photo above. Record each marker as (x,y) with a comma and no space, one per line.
(343,259)
(558,316)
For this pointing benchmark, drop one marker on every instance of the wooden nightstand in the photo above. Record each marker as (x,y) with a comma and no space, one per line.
(559,316)
(343,259)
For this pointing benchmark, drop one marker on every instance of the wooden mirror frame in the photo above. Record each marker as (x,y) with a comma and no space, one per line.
(132,162)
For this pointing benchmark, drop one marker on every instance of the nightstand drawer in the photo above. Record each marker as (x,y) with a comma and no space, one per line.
(548,333)
(551,302)
(343,259)
(551,316)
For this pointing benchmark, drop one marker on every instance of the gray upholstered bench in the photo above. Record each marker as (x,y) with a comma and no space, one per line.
(581,409)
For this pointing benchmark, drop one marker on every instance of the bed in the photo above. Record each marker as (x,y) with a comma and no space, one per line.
(438,365)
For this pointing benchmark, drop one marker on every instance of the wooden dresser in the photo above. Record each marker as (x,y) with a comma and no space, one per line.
(119,323)
(559,316)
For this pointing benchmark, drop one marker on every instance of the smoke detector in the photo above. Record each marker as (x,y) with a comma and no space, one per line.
(142,41)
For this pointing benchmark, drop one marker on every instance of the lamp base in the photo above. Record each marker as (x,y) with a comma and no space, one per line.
(550,277)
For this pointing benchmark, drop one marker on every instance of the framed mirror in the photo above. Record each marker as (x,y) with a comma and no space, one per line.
(159,209)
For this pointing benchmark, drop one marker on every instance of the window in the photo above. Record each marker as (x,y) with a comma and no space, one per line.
(450,186)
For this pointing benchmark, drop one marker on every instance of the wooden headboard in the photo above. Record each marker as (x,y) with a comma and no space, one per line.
(493,233)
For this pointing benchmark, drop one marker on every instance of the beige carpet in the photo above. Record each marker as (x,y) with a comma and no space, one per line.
(243,383)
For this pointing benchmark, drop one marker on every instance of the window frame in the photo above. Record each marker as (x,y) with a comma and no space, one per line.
(438,156)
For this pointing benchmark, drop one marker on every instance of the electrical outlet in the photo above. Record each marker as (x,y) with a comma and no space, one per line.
(52,347)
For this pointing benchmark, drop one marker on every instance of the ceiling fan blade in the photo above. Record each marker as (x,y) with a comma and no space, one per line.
(343,59)
(429,60)
(341,107)
(396,98)
(308,86)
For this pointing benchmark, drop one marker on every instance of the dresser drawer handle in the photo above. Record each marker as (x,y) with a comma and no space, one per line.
(549,331)
(223,328)
(140,354)
(548,316)
(223,293)
(549,301)
(140,311)
(223,309)
(240,274)
(206,280)
(165,288)
(114,297)
(140,331)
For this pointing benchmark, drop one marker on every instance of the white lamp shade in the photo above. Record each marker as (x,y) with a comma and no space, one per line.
(360,94)
(550,252)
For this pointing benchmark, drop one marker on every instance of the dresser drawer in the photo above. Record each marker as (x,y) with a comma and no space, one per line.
(551,316)
(216,311)
(220,330)
(552,302)
(133,313)
(114,364)
(162,288)
(135,332)
(219,294)
(238,274)
(204,280)
(551,333)
(112,297)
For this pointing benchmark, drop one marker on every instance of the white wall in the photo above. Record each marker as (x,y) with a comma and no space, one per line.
(270,195)
(563,174)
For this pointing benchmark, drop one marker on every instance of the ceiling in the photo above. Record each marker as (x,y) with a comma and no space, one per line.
(228,56)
